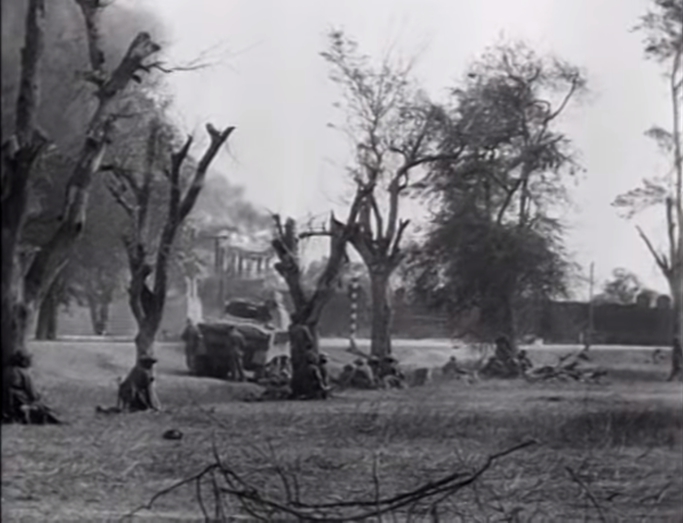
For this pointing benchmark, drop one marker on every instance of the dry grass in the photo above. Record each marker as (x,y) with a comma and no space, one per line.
(616,445)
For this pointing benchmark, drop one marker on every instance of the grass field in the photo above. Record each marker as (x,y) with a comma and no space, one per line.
(611,451)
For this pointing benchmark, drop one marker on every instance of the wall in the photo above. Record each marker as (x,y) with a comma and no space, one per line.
(554,322)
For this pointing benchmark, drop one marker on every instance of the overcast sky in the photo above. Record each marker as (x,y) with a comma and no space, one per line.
(272,84)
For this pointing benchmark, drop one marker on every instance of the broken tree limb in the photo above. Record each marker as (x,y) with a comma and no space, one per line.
(50,260)
(265,507)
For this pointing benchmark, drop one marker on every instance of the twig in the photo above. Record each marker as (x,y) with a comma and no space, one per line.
(658,495)
(163,492)
(200,500)
(253,502)
(375,481)
(588,492)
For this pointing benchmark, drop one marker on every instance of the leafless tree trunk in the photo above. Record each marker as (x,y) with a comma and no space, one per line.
(308,308)
(54,255)
(21,151)
(19,154)
(147,301)
(99,314)
(46,326)
(671,263)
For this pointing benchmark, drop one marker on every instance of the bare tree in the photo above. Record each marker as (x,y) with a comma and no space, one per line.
(21,151)
(134,193)
(19,154)
(395,130)
(663,28)
(308,306)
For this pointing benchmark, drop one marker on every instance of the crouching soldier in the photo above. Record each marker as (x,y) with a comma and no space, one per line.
(362,377)
(452,369)
(315,386)
(23,403)
(390,377)
(524,361)
(136,392)
(344,379)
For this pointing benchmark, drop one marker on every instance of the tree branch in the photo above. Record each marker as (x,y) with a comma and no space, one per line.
(218,138)
(395,249)
(659,258)
(29,88)
(671,229)
(124,176)
(92,10)
(378,215)
(117,193)
(142,47)
(565,101)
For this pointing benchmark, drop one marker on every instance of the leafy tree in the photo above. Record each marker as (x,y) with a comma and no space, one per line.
(663,30)
(395,131)
(494,242)
(622,288)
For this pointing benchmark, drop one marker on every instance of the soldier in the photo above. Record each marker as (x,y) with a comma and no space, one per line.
(524,361)
(389,374)
(322,364)
(24,404)
(503,363)
(451,368)
(236,344)
(136,392)
(314,385)
(374,364)
(676,360)
(346,375)
(192,338)
(362,377)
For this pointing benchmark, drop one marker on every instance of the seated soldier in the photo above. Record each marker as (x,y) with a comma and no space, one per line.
(314,386)
(136,392)
(524,361)
(344,378)
(24,404)
(503,363)
(278,371)
(362,377)
(452,368)
(373,363)
(389,374)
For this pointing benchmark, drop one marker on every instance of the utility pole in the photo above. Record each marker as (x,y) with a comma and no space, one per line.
(589,335)
(353,313)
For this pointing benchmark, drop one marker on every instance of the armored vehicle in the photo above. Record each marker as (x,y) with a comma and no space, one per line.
(211,356)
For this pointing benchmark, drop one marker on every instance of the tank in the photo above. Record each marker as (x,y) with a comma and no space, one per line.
(255,322)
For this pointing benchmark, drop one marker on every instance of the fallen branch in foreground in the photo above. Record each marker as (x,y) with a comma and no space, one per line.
(225,482)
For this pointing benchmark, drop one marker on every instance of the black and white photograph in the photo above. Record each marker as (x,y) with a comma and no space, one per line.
(331,261)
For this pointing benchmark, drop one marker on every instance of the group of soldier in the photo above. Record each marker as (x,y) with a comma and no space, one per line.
(375,374)
(506,362)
